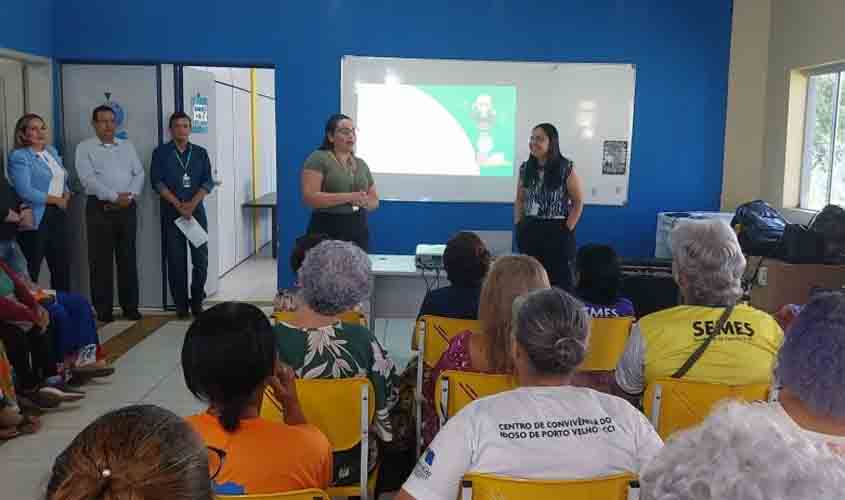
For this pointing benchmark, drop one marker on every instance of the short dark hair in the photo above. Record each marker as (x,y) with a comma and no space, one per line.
(229,351)
(102,108)
(599,274)
(466,259)
(178,115)
(302,245)
(331,126)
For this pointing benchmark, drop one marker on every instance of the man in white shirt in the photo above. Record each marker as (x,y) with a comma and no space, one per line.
(113,177)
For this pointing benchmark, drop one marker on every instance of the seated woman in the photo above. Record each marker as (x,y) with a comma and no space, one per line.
(316,344)
(708,265)
(489,350)
(139,452)
(598,282)
(285,300)
(13,422)
(229,358)
(740,452)
(549,337)
(75,345)
(810,371)
(467,261)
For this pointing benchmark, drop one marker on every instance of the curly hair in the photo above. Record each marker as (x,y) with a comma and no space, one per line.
(740,452)
(553,329)
(140,451)
(335,276)
(466,260)
(811,362)
(708,255)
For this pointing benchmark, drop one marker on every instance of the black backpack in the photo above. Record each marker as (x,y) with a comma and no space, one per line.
(759,228)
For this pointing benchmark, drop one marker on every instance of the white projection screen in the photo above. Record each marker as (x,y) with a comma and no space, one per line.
(457,131)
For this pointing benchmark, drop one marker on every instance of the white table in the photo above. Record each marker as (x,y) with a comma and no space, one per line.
(398,287)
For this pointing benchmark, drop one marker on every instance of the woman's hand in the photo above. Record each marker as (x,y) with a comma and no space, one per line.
(59,201)
(43,321)
(12,217)
(283,384)
(569,225)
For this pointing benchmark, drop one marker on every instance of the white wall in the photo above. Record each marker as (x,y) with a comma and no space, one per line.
(234,160)
(746,111)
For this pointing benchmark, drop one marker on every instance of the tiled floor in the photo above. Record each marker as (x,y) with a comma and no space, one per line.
(254,280)
(150,373)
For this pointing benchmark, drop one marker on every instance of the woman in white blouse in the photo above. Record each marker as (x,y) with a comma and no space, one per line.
(39,179)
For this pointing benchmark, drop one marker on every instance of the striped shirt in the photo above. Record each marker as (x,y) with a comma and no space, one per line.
(541,202)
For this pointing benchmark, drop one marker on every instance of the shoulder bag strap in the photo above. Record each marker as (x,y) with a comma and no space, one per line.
(703,347)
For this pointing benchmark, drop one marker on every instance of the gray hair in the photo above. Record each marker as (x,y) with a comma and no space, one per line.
(742,452)
(335,276)
(553,329)
(708,255)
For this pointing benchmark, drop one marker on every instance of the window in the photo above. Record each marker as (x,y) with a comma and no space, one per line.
(823,168)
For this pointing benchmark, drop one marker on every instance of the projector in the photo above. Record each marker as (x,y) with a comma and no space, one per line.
(429,256)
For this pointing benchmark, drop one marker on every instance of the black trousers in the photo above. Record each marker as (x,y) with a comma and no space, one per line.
(176,246)
(111,237)
(345,227)
(553,244)
(29,354)
(51,241)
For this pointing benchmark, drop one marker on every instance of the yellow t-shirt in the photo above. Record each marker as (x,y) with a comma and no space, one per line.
(267,457)
(660,343)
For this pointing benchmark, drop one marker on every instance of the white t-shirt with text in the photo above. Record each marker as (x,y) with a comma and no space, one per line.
(561,432)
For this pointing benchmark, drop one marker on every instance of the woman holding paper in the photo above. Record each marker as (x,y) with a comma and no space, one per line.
(338,186)
(181,175)
(548,206)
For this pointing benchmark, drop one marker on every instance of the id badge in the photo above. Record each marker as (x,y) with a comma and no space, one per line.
(533,210)
(186,181)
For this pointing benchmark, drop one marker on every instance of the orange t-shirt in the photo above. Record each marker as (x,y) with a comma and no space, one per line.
(267,457)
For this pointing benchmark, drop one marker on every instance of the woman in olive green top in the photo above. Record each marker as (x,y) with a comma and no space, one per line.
(338,186)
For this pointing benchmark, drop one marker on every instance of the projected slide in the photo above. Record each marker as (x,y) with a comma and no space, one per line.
(437,129)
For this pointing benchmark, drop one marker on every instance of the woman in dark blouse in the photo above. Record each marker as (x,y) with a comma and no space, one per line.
(548,206)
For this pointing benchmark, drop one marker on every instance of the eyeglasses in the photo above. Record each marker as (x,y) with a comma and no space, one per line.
(347,131)
(216,457)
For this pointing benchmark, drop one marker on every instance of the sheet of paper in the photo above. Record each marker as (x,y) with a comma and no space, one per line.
(192,230)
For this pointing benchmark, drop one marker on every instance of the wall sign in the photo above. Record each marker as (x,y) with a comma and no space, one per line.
(199,114)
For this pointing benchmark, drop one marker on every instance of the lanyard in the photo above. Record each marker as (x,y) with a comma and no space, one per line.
(186,164)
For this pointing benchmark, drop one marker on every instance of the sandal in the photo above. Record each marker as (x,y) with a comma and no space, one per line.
(8,433)
(29,425)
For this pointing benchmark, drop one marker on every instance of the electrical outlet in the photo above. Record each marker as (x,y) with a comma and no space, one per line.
(763,276)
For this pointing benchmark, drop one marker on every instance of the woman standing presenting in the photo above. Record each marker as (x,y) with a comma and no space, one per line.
(548,206)
(338,186)
(40,180)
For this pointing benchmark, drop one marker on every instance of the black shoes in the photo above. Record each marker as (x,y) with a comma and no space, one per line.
(105,317)
(132,314)
(182,314)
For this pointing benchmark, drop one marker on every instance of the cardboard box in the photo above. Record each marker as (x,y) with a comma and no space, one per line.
(779,283)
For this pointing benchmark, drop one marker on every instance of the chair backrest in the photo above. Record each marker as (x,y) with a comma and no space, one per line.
(332,405)
(492,487)
(311,494)
(437,331)
(353,317)
(608,337)
(456,389)
(675,404)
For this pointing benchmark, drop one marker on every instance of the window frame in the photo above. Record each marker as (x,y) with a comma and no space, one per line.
(809,127)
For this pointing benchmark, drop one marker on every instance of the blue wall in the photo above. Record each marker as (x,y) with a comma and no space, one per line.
(27,26)
(681,50)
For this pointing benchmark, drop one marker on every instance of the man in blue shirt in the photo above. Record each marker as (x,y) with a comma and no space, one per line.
(181,175)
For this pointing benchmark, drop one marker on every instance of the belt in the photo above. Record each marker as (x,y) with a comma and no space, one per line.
(108,206)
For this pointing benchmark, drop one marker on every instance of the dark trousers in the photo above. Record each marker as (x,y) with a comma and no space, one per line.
(345,227)
(553,244)
(176,246)
(111,237)
(29,354)
(51,241)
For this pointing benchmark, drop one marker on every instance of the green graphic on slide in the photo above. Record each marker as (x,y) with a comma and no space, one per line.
(487,114)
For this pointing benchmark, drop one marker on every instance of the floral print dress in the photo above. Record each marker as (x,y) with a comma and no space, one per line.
(343,350)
